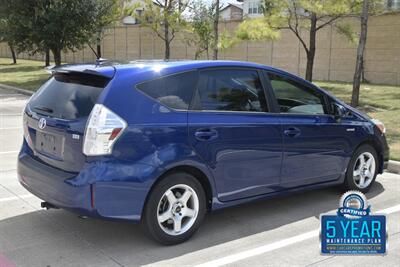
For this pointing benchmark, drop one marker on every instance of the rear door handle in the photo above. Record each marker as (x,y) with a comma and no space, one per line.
(206,134)
(292,132)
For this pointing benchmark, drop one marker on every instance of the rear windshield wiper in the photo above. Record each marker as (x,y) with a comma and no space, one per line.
(45,109)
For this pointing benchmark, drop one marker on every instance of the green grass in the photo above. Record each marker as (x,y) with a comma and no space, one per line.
(26,74)
(379,101)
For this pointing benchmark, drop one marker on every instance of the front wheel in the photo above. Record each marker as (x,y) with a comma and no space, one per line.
(362,169)
(175,209)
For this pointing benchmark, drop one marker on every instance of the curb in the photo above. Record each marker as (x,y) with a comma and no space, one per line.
(394,166)
(16,89)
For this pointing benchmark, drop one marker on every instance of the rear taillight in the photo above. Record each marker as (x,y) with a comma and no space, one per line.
(103,129)
(27,137)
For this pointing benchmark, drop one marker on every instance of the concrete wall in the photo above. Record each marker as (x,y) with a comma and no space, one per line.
(335,58)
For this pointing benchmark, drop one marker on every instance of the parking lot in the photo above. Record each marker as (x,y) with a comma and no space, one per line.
(281,231)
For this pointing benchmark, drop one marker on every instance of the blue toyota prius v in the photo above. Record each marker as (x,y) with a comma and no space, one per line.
(163,143)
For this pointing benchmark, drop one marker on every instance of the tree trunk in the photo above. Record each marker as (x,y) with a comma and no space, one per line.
(14,56)
(363,79)
(167,50)
(57,56)
(98,45)
(98,50)
(216,21)
(311,49)
(360,55)
(166,40)
(47,58)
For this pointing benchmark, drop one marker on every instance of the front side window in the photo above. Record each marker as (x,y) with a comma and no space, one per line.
(174,91)
(293,97)
(231,90)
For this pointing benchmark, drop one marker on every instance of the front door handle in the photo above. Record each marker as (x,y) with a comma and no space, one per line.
(292,132)
(206,134)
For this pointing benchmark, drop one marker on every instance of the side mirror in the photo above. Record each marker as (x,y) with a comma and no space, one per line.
(339,111)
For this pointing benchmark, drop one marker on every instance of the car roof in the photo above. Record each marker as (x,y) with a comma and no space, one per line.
(107,68)
(163,67)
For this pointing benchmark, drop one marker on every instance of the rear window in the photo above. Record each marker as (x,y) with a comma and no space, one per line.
(174,91)
(68,95)
(231,90)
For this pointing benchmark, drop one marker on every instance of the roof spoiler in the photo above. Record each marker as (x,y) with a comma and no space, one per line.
(85,68)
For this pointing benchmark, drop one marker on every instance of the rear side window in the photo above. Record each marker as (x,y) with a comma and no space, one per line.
(174,91)
(231,90)
(68,95)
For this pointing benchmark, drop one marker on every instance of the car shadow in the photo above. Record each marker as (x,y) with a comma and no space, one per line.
(126,243)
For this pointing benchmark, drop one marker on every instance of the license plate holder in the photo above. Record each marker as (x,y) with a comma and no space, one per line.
(48,144)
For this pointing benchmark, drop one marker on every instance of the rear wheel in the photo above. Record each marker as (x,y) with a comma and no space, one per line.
(362,169)
(175,209)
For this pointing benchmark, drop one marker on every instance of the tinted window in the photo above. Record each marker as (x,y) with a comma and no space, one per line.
(293,97)
(174,91)
(68,95)
(233,90)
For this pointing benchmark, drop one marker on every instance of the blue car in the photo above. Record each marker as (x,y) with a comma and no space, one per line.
(163,143)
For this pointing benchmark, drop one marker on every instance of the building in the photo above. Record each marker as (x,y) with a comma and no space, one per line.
(393,5)
(232,11)
(252,8)
(130,20)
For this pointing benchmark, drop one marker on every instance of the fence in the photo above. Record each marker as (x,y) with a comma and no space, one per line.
(334,61)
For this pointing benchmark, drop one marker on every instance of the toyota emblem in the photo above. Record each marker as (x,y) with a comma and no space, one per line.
(42,123)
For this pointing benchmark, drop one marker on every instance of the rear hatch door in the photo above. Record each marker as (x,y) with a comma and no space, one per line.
(56,117)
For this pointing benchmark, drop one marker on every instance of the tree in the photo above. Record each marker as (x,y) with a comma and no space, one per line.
(203,22)
(107,12)
(300,17)
(55,25)
(360,54)
(368,7)
(5,34)
(5,37)
(216,22)
(163,17)
(201,28)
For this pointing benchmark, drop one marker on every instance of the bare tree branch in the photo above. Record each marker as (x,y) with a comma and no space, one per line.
(295,29)
(327,22)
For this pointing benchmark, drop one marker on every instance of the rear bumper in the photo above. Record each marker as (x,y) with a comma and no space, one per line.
(101,189)
(48,184)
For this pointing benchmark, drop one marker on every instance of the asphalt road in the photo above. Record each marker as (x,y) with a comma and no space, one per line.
(282,231)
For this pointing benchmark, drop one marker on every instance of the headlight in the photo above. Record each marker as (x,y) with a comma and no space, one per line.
(380,125)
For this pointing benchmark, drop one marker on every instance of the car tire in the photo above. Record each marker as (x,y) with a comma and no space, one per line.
(175,209)
(362,169)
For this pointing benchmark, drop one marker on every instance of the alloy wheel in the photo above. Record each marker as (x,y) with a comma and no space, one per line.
(178,209)
(364,170)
